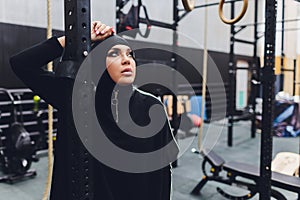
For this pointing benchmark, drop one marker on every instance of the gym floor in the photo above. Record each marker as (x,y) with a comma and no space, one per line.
(188,172)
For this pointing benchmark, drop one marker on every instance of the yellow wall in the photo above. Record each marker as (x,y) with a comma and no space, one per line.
(288,63)
(288,76)
(298,76)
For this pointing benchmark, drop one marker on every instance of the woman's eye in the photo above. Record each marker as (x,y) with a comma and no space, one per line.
(130,54)
(113,54)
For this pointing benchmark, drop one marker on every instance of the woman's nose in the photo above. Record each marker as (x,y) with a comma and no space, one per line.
(125,59)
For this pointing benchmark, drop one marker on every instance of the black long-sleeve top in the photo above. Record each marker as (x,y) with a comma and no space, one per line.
(108,183)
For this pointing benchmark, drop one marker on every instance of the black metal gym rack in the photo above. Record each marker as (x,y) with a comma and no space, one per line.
(267,81)
(254,69)
(77,27)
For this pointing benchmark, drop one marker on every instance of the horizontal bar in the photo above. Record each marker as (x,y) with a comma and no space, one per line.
(212,4)
(288,70)
(158,23)
(242,68)
(262,23)
(244,41)
(17,102)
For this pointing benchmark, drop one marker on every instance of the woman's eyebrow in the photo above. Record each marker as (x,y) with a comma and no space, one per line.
(119,49)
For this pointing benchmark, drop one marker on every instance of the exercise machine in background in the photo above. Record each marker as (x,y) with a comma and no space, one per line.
(17,148)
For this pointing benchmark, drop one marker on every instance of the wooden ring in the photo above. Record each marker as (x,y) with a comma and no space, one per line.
(238,18)
(188,5)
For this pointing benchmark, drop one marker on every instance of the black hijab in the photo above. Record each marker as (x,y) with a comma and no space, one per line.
(106,100)
(127,98)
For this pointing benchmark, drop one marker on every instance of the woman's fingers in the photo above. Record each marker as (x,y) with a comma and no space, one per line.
(107,31)
(99,28)
(100,31)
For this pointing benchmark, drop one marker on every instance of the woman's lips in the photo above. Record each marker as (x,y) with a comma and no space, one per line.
(127,72)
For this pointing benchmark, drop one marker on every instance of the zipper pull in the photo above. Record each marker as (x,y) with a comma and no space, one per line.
(115,103)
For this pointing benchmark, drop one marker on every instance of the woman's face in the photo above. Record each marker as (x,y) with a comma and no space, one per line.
(121,65)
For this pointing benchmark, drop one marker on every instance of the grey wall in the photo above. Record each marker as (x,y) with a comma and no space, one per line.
(190,29)
(23,23)
(13,39)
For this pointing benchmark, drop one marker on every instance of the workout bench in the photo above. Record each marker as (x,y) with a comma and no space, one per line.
(250,172)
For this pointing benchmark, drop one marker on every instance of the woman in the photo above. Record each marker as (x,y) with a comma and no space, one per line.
(115,95)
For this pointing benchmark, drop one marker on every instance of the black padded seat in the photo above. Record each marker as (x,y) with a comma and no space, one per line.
(214,159)
(243,117)
(242,169)
(291,183)
(287,182)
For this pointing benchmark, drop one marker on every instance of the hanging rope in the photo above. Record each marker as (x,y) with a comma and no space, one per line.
(204,79)
(50,115)
(238,18)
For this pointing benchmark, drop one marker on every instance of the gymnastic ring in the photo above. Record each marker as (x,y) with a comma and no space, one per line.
(238,18)
(188,5)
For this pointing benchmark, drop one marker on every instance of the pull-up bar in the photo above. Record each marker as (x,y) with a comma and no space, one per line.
(205,5)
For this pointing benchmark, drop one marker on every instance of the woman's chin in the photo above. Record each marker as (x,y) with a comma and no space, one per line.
(125,81)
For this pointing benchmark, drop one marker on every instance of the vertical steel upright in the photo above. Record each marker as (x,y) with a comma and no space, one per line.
(77,31)
(232,80)
(268,81)
(282,48)
(256,76)
(175,119)
(77,45)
